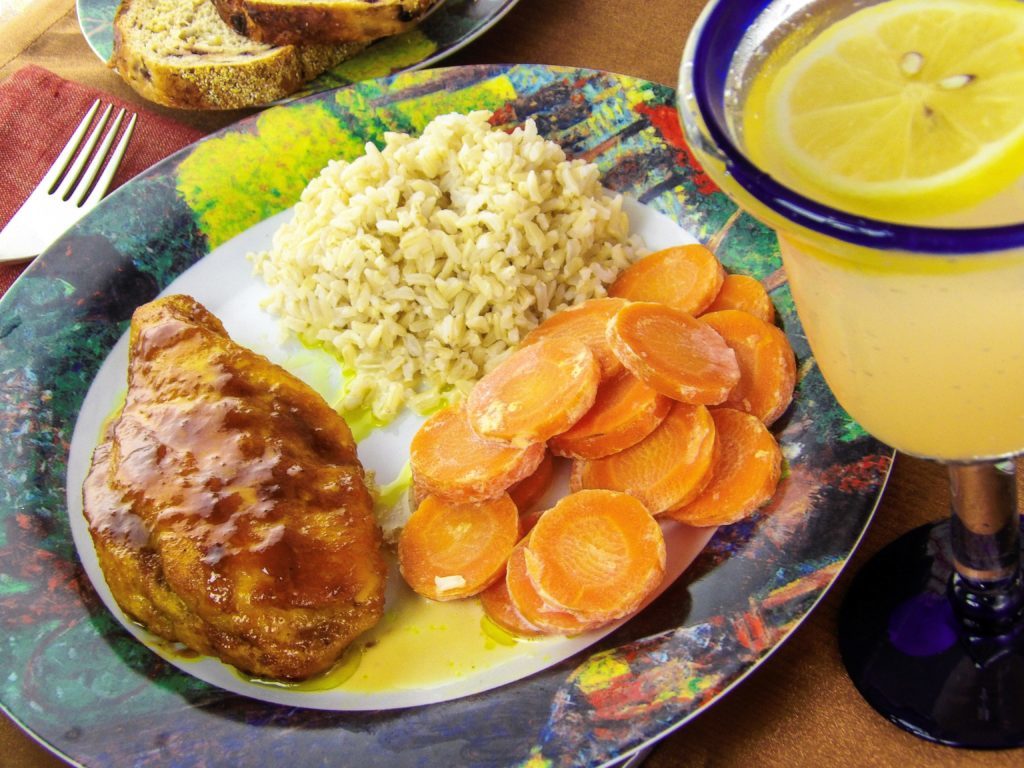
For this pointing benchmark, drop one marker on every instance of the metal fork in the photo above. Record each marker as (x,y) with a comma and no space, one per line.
(72,187)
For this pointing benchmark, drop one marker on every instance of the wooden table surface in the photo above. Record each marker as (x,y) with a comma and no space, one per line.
(798,708)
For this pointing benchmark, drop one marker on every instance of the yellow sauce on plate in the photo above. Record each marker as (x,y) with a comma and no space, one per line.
(418,644)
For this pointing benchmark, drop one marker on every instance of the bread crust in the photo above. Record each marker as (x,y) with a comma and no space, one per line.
(215,82)
(218,85)
(289,22)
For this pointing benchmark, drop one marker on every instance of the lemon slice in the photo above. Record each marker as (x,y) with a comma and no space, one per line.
(904,107)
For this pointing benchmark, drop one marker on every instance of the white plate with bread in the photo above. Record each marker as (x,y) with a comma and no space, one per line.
(235,54)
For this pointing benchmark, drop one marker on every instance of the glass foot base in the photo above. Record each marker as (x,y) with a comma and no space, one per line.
(912,660)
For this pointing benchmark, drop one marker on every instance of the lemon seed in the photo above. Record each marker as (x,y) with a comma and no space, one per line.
(911,63)
(953,82)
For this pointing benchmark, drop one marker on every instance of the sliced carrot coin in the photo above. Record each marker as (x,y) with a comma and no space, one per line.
(666,469)
(766,360)
(584,322)
(745,475)
(685,277)
(744,293)
(596,554)
(532,607)
(625,411)
(532,488)
(417,493)
(499,608)
(449,550)
(536,392)
(449,459)
(673,353)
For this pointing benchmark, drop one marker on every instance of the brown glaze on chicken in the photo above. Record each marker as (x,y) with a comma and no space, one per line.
(227,504)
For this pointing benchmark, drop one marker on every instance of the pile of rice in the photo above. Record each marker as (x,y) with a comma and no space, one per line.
(423,263)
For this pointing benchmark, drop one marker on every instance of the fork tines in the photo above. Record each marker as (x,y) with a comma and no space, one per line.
(89,183)
(74,184)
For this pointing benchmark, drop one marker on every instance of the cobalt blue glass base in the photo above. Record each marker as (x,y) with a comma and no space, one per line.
(918,653)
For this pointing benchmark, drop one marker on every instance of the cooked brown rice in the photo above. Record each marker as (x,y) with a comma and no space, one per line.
(421,264)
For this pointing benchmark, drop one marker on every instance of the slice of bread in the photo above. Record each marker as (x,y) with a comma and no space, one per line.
(287,22)
(181,54)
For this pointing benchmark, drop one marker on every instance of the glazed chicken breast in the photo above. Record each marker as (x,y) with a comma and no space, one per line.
(227,504)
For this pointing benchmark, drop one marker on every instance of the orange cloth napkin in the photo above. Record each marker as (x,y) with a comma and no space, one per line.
(38,113)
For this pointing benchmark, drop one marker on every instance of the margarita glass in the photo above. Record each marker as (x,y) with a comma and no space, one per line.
(917,324)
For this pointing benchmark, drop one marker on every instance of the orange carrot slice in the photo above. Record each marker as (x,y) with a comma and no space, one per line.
(532,607)
(625,411)
(584,322)
(685,277)
(673,353)
(449,550)
(666,469)
(499,608)
(532,488)
(596,554)
(417,493)
(449,459)
(536,392)
(744,293)
(766,361)
(745,474)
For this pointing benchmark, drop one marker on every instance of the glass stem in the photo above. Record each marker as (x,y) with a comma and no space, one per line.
(987,589)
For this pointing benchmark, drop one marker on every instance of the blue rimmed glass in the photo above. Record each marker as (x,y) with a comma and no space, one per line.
(920,332)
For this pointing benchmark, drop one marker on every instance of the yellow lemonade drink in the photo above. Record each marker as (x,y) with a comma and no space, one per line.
(931,359)
(908,111)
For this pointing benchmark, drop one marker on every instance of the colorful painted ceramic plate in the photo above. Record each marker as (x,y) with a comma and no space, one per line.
(75,677)
(454,24)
